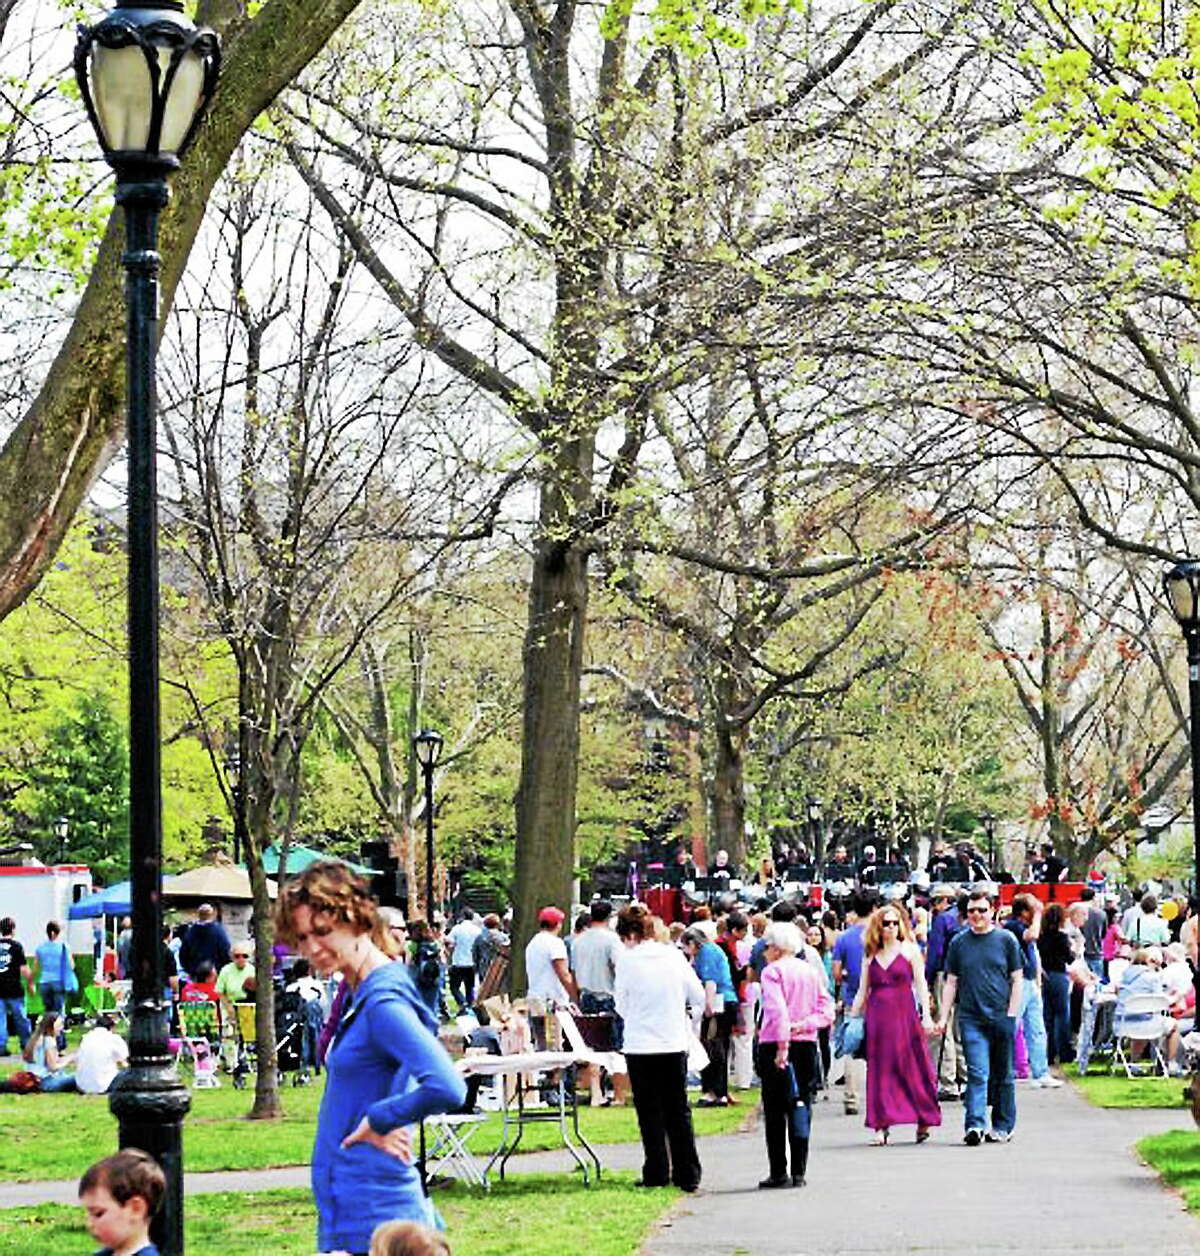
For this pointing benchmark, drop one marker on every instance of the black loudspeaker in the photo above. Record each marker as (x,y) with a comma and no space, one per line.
(388,886)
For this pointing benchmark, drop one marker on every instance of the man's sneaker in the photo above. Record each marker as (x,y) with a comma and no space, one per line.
(852,1109)
(973,1138)
(998,1136)
(946,1095)
(1046,1082)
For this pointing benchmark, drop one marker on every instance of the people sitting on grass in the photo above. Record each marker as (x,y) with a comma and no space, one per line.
(50,1066)
(100,1056)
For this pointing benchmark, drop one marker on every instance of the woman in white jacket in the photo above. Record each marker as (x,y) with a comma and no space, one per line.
(655,987)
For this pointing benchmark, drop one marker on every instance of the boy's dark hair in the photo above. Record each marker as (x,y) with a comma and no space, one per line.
(125,1175)
(601,910)
(8,926)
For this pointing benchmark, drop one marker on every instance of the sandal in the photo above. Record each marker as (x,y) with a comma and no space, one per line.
(922,1133)
(881,1138)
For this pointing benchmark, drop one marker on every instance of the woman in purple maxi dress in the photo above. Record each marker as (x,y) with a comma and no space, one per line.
(901,1089)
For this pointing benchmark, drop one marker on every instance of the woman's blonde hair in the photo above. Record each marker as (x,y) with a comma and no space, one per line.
(873,936)
(407,1238)
(329,888)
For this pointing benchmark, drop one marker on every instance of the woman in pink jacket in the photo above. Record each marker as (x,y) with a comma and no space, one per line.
(796,1006)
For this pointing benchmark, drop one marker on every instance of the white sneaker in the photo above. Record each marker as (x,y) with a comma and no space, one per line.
(1046,1082)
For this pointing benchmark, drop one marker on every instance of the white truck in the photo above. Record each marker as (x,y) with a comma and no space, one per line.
(34,895)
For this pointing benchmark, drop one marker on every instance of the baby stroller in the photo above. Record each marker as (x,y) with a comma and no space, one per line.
(296,1031)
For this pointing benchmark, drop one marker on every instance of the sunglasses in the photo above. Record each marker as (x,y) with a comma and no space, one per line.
(980,911)
(891,924)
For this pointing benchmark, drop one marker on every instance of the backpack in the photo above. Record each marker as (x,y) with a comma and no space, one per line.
(427,965)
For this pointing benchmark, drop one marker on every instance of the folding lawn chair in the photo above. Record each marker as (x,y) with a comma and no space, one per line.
(1141,1018)
(447,1150)
(200,1026)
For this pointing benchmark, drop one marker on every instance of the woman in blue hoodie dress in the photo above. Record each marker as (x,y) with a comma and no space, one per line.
(387,1069)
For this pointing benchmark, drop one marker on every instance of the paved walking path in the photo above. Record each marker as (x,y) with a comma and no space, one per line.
(1068,1183)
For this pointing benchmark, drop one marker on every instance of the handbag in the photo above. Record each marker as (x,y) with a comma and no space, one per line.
(66,972)
(22,1082)
(853,1036)
(800,1111)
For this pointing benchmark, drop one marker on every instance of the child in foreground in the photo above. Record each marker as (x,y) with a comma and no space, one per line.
(405,1238)
(120,1195)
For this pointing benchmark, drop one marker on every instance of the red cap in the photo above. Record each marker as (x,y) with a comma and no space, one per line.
(551,916)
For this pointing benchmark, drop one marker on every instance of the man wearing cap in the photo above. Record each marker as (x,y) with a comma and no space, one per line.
(546,967)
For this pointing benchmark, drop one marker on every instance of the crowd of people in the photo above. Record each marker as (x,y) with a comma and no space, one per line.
(908,1005)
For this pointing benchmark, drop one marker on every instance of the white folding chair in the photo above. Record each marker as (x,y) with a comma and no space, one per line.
(446,1151)
(1141,1018)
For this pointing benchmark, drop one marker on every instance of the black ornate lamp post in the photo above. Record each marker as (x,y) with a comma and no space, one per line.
(428,748)
(62,829)
(146,73)
(815,814)
(989,827)
(1182,586)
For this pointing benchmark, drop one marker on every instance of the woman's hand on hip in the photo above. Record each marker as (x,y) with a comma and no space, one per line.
(397,1142)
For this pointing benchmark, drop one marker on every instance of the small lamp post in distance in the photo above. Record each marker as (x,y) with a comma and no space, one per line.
(427,745)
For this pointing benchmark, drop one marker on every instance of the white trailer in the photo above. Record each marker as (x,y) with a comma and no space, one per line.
(33,896)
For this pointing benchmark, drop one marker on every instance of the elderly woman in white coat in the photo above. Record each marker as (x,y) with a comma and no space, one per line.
(654,989)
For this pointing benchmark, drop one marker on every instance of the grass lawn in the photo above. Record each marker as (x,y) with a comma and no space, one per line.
(1177,1157)
(607,1219)
(57,1136)
(1137,1092)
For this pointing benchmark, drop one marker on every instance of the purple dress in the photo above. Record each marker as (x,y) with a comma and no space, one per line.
(900,1084)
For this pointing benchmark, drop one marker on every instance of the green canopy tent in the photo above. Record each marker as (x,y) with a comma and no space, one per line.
(300,857)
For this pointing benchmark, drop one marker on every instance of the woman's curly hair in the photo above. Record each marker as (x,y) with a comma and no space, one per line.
(329,888)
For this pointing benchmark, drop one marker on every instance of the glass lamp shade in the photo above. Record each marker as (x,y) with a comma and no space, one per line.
(814,808)
(1181,584)
(146,73)
(428,747)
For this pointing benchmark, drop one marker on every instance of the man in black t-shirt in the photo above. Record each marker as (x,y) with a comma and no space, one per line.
(14,978)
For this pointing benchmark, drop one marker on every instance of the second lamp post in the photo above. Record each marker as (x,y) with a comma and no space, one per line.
(428,748)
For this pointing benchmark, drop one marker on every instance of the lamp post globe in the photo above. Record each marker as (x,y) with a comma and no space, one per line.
(1181,584)
(145,73)
(427,746)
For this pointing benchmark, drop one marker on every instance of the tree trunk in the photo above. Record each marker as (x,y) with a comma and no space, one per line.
(260,805)
(729,794)
(553,665)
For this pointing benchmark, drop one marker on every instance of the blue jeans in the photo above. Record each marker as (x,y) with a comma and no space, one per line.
(54,995)
(56,1083)
(15,1021)
(1056,1000)
(1035,1028)
(988,1046)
